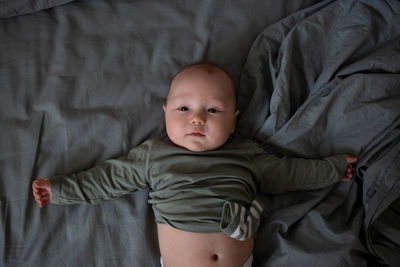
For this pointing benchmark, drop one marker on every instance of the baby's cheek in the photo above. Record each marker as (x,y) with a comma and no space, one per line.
(221,136)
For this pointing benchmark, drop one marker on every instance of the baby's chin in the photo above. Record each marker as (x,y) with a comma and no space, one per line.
(197,146)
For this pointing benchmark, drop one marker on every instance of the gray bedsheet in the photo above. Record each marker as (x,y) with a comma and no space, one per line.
(326,81)
(83,82)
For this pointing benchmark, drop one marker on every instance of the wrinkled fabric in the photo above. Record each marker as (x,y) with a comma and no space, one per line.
(326,81)
(11,8)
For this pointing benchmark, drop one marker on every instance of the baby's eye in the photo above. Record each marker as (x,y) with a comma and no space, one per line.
(183,109)
(212,110)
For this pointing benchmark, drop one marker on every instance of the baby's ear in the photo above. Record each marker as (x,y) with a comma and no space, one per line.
(164,107)
(234,121)
(236,113)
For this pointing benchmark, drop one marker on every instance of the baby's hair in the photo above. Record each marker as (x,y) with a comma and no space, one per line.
(209,68)
(203,65)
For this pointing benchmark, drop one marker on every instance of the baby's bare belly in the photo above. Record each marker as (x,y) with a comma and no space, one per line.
(179,248)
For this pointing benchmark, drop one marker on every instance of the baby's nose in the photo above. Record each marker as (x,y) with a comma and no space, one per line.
(197,119)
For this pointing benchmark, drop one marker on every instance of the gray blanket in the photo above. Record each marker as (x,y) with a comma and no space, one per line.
(84,82)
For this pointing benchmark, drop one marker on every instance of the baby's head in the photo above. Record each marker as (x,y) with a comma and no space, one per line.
(200,111)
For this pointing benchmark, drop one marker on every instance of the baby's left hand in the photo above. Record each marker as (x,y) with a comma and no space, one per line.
(348,175)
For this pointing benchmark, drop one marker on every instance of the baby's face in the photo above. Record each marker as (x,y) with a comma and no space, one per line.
(200,111)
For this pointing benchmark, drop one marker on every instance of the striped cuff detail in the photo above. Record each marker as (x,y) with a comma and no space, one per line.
(239,222)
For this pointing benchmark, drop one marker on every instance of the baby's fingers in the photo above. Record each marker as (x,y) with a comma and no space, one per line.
(348,175)
(42,198)
(41,191)
(350,159)
(43,202)
(39,183)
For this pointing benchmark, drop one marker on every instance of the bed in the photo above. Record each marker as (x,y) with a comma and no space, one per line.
(84,81)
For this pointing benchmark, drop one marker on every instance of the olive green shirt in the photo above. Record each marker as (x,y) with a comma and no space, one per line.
(188,189)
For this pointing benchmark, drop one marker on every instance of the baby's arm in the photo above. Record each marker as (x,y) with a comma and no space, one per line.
(108,180)
(42,191)
(279,175)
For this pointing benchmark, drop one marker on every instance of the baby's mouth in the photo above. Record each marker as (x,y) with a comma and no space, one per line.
(196,134)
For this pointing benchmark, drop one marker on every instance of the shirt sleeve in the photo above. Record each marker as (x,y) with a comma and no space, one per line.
(280,175)
(109,180)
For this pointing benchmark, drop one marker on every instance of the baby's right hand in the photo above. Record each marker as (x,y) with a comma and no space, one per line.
(42,191)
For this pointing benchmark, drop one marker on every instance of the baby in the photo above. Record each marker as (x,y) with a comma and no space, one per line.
(203,178)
